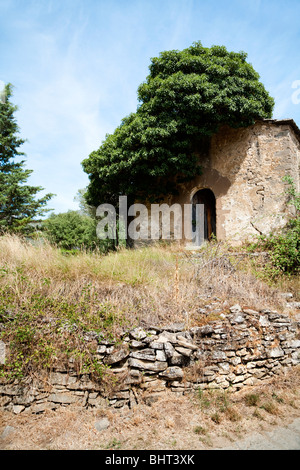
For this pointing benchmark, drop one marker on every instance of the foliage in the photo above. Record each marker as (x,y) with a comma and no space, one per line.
(294,197)
(84,208)
(187,96)
(285,249)
(18,203)
(43,331)
(73,230)
(284,245)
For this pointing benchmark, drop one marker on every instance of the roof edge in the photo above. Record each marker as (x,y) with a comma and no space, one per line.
(288,121)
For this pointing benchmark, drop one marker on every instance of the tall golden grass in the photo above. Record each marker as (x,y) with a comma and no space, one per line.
(149,284)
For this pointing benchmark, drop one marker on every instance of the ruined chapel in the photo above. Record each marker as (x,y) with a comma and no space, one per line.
(241,185)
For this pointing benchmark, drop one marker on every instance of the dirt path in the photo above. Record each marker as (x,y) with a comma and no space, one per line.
(280,438)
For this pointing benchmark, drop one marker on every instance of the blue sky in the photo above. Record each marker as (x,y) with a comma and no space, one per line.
(76,66)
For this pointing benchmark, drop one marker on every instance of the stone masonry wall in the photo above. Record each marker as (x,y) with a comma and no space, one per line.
(243,348)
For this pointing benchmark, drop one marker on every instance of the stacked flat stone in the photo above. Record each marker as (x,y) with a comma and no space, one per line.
(244,347)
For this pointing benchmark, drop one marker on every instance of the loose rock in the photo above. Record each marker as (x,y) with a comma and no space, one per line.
(102,424)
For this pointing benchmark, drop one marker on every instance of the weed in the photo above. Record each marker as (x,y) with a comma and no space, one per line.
(215,417)
(232,414)
(270,407)
(114,444)
(204,402)
(257,414)
(217,402)
(252,399)
(277,398)
(222,401)
(199,430)
(283,245)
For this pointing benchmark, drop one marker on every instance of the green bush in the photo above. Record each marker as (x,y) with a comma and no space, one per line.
(284,245)
(72,231)
(284,249)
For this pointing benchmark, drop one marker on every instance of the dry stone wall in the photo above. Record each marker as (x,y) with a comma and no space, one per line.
(244,347)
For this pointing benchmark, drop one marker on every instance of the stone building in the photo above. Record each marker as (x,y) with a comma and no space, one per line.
(241,185)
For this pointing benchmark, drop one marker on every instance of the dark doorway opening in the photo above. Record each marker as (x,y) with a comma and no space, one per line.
(207,198)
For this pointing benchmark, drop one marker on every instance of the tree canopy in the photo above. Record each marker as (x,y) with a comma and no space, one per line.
(18,203)
(186,97)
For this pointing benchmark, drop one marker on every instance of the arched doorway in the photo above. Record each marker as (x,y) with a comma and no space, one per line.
(207,198)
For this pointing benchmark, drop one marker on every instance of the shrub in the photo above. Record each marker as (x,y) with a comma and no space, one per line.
(72,231)
(284,249)
(284,246)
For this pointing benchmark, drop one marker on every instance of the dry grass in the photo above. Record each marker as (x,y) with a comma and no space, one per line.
(156,283)
(126,279)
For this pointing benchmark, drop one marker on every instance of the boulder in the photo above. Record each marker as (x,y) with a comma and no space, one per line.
(275,352)
(184,351)
(235,308)
(63,398)
(161,355)
(166,336)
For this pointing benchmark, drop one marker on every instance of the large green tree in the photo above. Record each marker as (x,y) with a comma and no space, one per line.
(18,204)
(186,97)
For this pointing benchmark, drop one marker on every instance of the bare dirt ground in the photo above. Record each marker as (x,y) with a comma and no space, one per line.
(193,422)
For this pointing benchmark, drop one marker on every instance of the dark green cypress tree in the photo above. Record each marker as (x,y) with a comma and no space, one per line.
(18,204)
